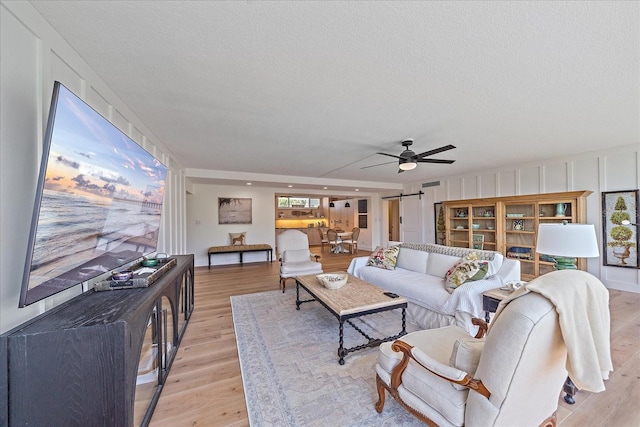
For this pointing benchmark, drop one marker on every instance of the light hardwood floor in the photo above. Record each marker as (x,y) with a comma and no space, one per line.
(205,385)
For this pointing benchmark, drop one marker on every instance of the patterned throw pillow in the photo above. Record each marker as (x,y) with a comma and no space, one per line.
(237,238)
(468,269)
(384,257)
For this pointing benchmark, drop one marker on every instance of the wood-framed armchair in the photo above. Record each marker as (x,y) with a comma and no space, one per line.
(514,376)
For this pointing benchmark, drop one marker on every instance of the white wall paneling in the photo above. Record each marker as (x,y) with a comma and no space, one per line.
(555,178)
(507,183)
(609,170)
(529,180)
(33,57)
(470,187)
(620,171)
(487,185)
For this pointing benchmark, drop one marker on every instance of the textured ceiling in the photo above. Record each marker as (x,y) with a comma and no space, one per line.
(314,89)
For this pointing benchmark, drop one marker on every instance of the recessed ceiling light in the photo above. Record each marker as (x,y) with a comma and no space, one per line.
(290,186)
(248,183)
(357,189)
(324,188)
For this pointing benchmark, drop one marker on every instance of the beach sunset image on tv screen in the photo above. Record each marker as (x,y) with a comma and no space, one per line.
(99,201)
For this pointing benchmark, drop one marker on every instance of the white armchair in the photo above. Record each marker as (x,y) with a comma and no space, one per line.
(295,257)
(514,377)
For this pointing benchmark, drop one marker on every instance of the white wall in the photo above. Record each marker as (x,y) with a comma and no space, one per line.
(204,231)
(33,55)
(614,169)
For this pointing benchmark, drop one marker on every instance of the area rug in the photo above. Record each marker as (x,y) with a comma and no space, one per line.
(290,368)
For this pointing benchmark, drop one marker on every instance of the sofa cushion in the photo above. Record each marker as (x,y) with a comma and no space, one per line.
(384,257)
(439,264)
(414,260)
(468,269)
(428,291)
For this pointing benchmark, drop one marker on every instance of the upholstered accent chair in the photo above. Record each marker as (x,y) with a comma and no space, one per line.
(295,256)
(514,375)
(352,243)
(323,240)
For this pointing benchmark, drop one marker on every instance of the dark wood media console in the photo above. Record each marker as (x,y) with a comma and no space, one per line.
(100,359)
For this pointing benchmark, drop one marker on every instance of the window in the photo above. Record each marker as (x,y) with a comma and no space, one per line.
(298,202)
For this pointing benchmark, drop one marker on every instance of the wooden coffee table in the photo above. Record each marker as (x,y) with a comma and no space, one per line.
(355,299)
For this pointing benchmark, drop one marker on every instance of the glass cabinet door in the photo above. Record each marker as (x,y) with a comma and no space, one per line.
(520,227)
(185,301)
(483,227)
(169,336)
(458,226)
(147,380)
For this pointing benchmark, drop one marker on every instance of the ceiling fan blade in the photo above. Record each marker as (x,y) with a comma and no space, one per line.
(436,151)
(390,155)
(379,164)
(448,162)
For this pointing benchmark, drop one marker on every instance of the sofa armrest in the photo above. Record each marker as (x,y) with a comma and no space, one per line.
(356,264)
(510,270)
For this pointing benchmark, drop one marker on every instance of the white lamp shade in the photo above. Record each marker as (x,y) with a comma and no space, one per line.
(568,240)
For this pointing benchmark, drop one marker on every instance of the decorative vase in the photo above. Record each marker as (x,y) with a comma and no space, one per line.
(561,209)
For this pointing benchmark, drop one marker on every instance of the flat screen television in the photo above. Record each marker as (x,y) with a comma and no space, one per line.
(98,203)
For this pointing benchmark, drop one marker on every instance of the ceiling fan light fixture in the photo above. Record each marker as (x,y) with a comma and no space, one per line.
(407,166)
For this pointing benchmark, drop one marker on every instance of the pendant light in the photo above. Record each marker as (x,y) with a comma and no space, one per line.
(347,205)
(332,205)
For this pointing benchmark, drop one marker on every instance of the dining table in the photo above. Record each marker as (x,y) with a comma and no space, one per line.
(342,235)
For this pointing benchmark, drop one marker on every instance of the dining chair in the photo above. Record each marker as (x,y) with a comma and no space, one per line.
(353,241)
(332,237)
(323,240)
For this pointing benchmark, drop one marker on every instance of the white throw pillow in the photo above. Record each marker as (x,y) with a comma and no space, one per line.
(298,255)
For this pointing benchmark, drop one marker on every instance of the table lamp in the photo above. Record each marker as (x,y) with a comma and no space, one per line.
(566,242)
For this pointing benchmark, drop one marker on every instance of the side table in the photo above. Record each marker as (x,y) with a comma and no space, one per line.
(490,301)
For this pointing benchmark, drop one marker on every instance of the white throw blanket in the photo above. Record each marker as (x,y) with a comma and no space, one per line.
(582,304)
(468,297)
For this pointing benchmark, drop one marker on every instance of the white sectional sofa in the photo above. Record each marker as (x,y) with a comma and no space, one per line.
(419,276)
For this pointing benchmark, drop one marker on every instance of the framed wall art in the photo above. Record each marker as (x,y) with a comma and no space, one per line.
(438,211)
(362,221)
(620,215)
(234,211)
